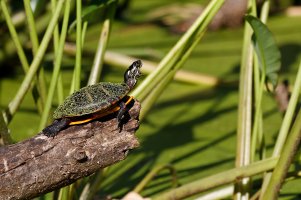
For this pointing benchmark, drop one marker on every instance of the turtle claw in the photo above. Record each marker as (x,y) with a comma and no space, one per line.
(120,126)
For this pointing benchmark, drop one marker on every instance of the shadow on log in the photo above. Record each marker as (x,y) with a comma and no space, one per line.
(41,164)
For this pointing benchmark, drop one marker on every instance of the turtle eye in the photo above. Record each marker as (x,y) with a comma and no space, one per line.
(137,63)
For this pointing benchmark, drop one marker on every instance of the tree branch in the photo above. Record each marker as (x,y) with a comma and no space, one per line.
(41,164)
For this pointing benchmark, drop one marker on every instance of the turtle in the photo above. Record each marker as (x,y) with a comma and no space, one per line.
(95,101)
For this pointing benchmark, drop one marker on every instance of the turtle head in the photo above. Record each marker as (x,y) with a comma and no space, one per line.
(133,73)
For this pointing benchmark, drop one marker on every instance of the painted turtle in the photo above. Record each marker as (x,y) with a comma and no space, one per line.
(95,101)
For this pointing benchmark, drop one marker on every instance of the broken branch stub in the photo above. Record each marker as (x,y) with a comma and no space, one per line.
(41,164)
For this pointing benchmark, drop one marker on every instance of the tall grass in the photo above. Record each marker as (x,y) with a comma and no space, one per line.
(259,64)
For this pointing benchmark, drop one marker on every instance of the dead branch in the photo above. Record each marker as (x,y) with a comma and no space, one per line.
(41,164)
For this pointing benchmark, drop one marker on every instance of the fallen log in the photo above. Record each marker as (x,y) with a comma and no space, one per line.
(42,164)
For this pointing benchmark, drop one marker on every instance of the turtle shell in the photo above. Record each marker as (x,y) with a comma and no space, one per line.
(91,99)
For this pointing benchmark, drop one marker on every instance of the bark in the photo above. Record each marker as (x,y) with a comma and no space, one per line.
(41,164)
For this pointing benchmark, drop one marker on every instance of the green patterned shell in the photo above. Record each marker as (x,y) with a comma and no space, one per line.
(91,99)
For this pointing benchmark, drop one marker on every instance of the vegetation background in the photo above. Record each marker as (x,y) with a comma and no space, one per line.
(191,128)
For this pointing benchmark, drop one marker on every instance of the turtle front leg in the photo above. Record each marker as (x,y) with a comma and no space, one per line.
(120,114)
(56,126)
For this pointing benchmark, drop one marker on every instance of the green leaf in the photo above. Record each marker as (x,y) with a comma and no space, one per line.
(266,49)
(93,12)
